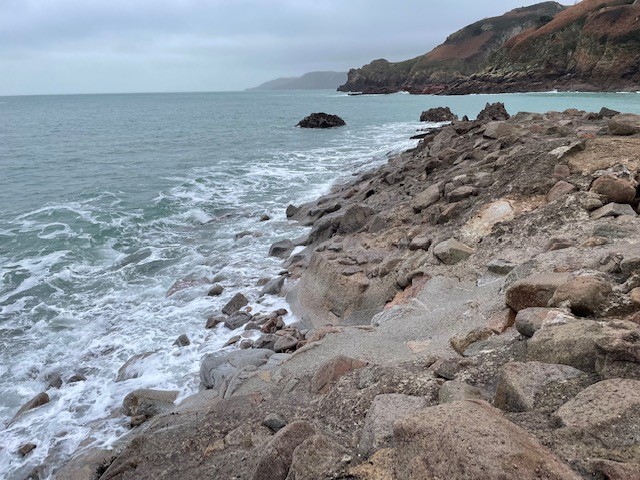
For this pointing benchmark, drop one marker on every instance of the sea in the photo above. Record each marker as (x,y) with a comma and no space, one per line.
(106,201)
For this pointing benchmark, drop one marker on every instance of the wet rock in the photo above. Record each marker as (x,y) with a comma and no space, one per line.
(530,320)
(26,449)
(471,439)
(134,367)
(232,341)
(215,367)
(245,344)
(236,303)
(624,124)
(332,370)
(275,461)
(148,403)
(55,381)
(608,411)
(585,295)
(613,210)
(182,341)
(525,386)
(37,401)
(274,422)
(455,391)
(317,457)
(292,210)
(216,290)
(78,377)
(493,112)
(214,321)
(237,320)
(614,189)
(534,291)
(281,249)
(384,411)
(265,217)
(437,115)
(500,267)
(559,190)
(321,120)
(452,251)
(273,287)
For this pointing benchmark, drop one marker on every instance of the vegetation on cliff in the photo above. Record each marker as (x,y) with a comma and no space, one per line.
(594,45)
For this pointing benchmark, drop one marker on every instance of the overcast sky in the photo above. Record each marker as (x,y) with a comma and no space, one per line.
(96,46)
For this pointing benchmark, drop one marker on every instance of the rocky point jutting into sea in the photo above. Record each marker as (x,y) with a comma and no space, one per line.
(593,45)
(470,310)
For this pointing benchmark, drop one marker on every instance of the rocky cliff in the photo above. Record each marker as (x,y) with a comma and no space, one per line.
(592,46)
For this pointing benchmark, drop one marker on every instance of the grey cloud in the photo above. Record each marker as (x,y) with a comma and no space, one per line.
(65,46)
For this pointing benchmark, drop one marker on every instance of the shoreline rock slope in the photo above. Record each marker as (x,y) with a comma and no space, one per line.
(591,46)
(469,310)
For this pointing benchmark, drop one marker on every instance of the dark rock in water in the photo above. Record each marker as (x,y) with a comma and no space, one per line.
(292,210)
(439,114)
(273,287)
(212,322)
(35,402)
(55,381)
(236,303)
(182,341)
(493,112)
(78,377)
(281,249)
(321,120)
(265,218)
(216,290)
(26,449)
(237,320)
(274,422)
(148,402)
(132,368)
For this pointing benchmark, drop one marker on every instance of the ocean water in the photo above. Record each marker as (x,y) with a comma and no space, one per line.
(107,200)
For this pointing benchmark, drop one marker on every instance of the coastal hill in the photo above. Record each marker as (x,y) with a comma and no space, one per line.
(308,81)
(591,46)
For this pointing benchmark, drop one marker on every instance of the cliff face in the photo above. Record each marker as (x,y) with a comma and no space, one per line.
(594,45)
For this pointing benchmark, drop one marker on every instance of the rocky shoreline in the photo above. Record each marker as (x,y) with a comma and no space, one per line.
(469,310)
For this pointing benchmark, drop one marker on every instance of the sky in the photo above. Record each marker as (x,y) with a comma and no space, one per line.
(116,46)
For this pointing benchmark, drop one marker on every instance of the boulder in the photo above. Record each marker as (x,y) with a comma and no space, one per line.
(321,120)
(455,391)
(607,112)
(561,152)
(624,124)
(452,251)
(493,112)
(285,343)
(384,411)
(499,130)
(529,385)
(608,411)
(317,457)
(618,352)
(461,193)
(534,291)
(500,267)
(87,465)
(559,190)
(471,440)
(273,287)
(573,344)
(26,449)
(332,370)
(584,295)
(236,303)
(427,198)
(148,403)
(354,219)
(437,115)
(281,249)
(613,210)
(182,341)
(37,401)
(275,460)
(216,290)
(237,320)
(215,367)
(214,321)
(134,367)
(461,342)
(420,243)
(274,422)
(500,321)
(614,189)
(530,320)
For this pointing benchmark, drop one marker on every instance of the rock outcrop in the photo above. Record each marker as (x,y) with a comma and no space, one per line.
(321,120)
(591,46)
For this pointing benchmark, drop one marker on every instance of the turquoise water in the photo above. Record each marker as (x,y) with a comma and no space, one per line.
(107,200)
